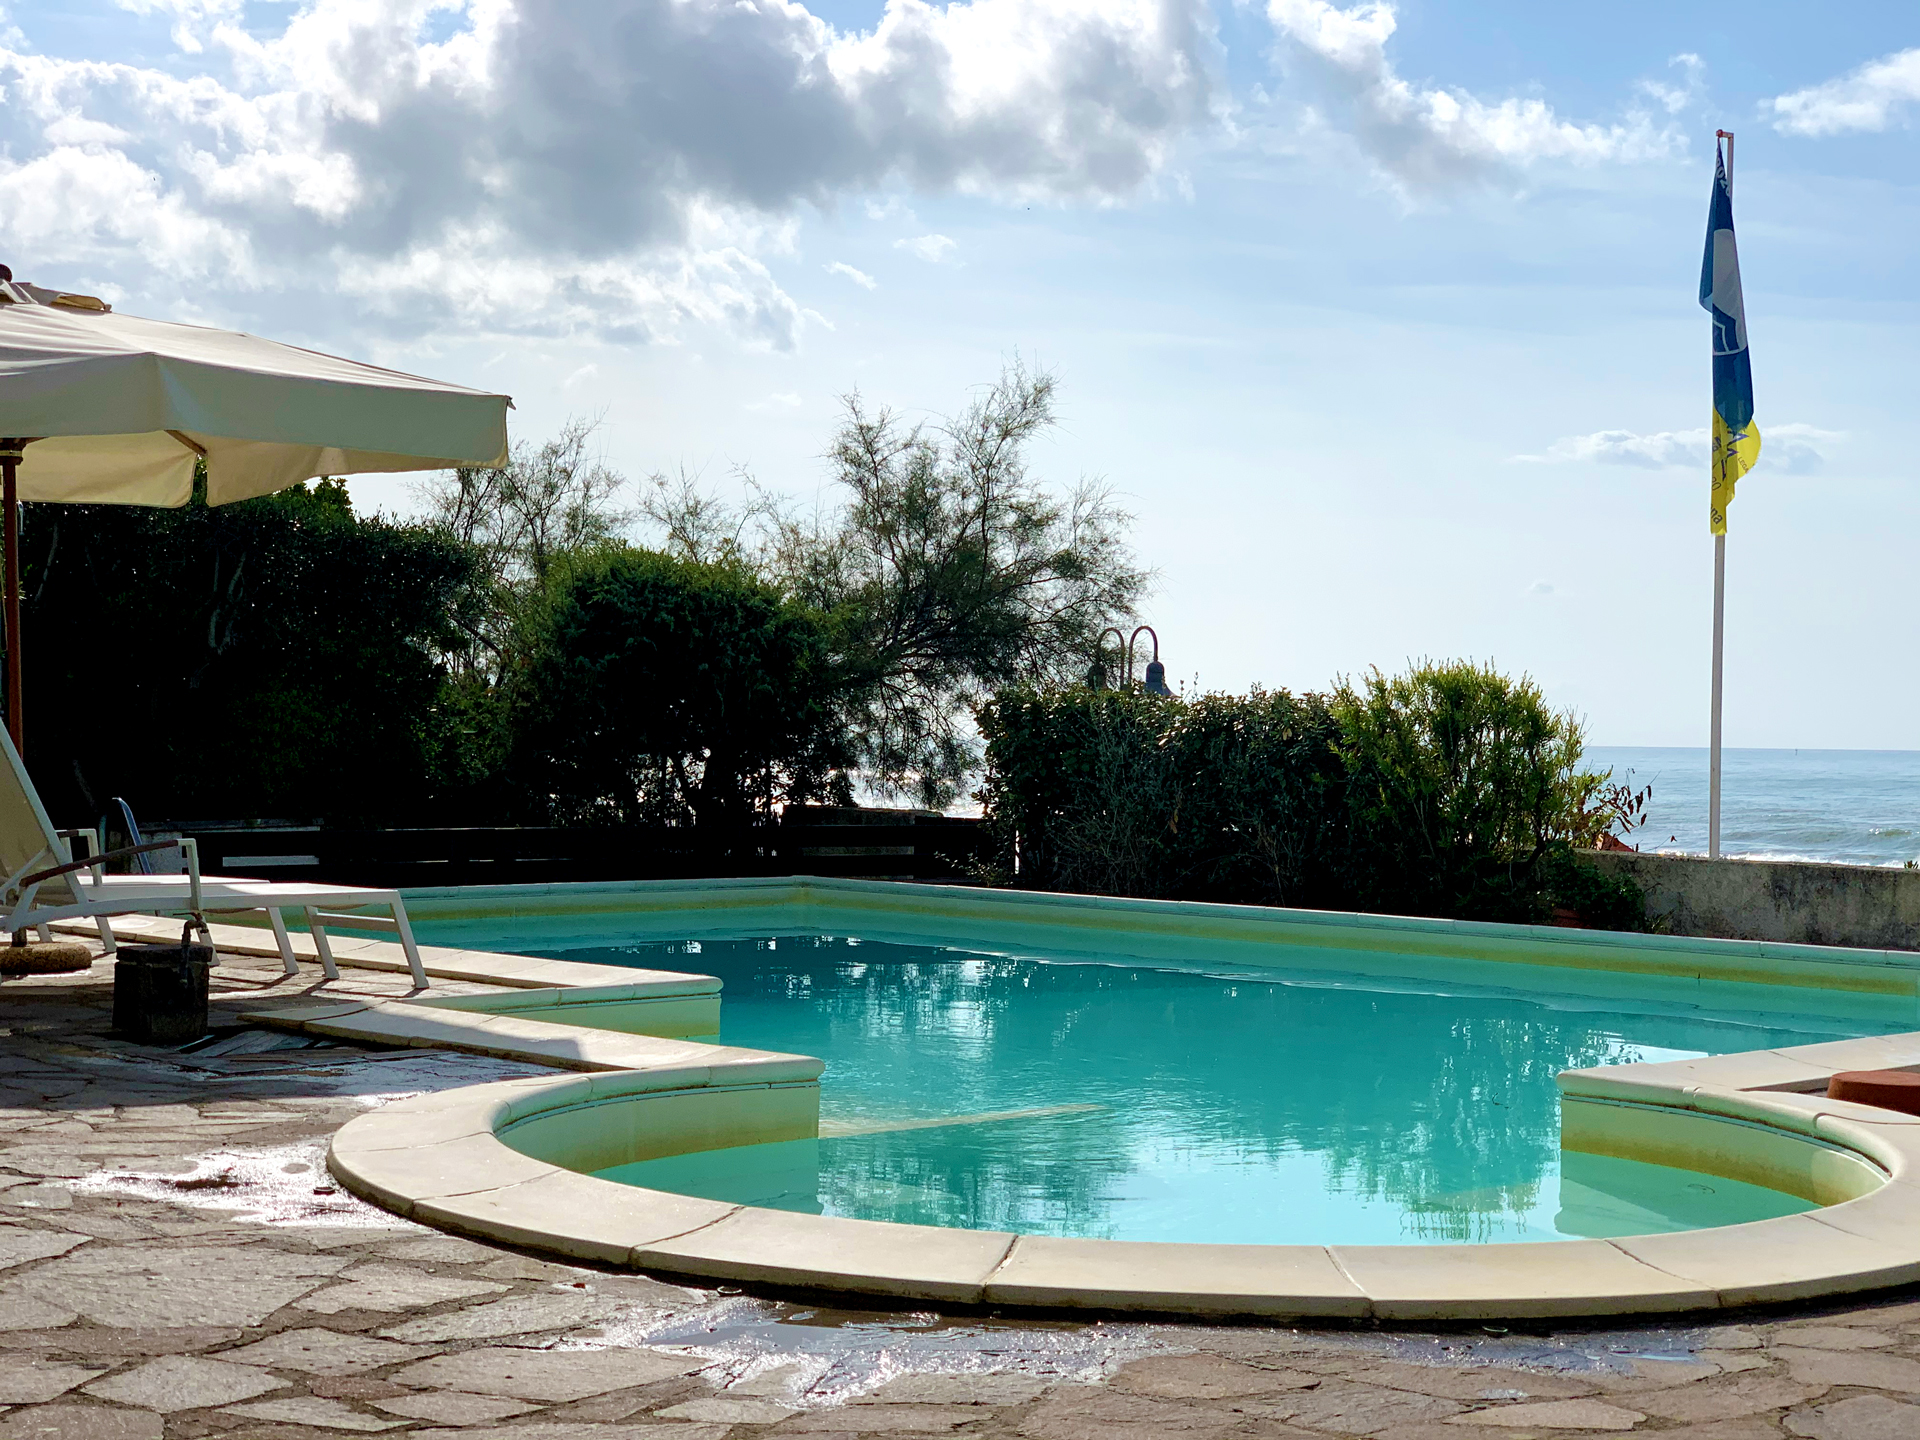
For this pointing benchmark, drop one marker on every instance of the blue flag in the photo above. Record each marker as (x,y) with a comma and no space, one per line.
(1736,439)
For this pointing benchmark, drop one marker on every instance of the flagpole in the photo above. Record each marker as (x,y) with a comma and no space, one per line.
(1719,633)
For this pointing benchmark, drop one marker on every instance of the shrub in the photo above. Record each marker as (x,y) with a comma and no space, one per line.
(275,657)
(1451,790)
(669,690)
(1460,782)
(1231,797)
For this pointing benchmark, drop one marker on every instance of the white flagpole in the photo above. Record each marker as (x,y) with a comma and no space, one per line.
(1719,637)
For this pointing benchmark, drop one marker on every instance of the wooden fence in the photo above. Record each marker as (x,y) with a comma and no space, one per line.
(925,848)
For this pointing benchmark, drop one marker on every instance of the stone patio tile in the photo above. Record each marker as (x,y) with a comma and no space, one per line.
(1554,1415)
(563,1430)
(1864,1417)
(38,1197)
(30,1312)
(34,1382)
(1732,1362)
(1002,1389)
(355,1387)
(1832,1337)
(728,1410)
(104,1227)
(1906,1314)
(156,1285)
(1084,1412)
(1471,1382)
(630,1406)
(1860,1367)
(509,1266)
(79,1422)
(311,1410)
(323,1352)
(879,1420)
(392,1287)
(790,1379)
(184,1382)
(440,1250)
(453,1407)
(1747,1395)
(103,1344)
(1751,1427)
(517,1315)
(553,1375)
(1205,1377)
(18,1244)
(1349,1409)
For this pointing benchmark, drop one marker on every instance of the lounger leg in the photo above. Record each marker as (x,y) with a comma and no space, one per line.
(46,934)
(288,959)
(406,944)
(108,944)
(319,933)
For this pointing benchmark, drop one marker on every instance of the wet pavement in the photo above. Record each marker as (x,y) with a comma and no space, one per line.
(175,1261)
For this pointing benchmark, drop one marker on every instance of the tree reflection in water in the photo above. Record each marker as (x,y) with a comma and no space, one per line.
(1232,1101)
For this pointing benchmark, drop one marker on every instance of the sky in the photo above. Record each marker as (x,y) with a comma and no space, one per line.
(1381,319)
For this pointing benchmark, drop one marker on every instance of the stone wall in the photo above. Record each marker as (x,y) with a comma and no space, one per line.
(1863,905)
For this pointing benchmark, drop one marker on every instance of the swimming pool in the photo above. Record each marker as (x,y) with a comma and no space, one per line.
(1200,1098)
(521,1162)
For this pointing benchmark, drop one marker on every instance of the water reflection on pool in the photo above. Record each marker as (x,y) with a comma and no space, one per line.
(1139,1101)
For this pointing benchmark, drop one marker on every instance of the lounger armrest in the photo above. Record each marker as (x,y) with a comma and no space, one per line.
(40,876)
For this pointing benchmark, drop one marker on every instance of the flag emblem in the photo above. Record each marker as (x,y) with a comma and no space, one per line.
(1736,439)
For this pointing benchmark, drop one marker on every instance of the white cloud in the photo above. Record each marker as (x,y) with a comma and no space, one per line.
(1791,447)
(1624,447)
(931,248)
(625,168)
(858,277)
(1675,98)
(779,400)
(1429,138)
(191,18)
(1870,98)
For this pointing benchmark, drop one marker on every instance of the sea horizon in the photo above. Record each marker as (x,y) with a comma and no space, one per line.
(1856,807)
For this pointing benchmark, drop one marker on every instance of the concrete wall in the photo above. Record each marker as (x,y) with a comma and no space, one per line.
(1858,905)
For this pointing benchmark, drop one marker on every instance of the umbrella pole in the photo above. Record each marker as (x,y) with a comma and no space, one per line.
(9,483)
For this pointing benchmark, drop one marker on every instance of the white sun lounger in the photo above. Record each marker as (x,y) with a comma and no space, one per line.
(45,883)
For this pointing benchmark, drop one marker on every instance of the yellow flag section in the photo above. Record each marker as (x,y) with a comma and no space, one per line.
(1734,452)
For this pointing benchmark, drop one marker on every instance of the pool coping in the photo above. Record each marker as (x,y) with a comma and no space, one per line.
(442,1159)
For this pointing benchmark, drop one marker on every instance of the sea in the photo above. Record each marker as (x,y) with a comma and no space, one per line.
(1855,807)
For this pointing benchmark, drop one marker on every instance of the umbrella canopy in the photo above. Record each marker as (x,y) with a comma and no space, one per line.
(119,408)
(112,409)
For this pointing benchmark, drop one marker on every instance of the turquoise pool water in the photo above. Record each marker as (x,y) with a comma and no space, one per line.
(1140,1101)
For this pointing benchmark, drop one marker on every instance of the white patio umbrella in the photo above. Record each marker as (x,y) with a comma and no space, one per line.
(110,409)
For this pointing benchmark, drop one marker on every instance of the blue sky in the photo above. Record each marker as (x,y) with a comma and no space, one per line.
(1382,319)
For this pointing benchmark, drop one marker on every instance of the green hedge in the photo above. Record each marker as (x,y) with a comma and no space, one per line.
(1450,791)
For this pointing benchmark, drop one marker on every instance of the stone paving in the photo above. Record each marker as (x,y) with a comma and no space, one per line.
(175,1262)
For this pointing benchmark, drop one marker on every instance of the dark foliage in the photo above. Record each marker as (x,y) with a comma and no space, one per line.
(1449,791)
(668,690)
(270,658)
